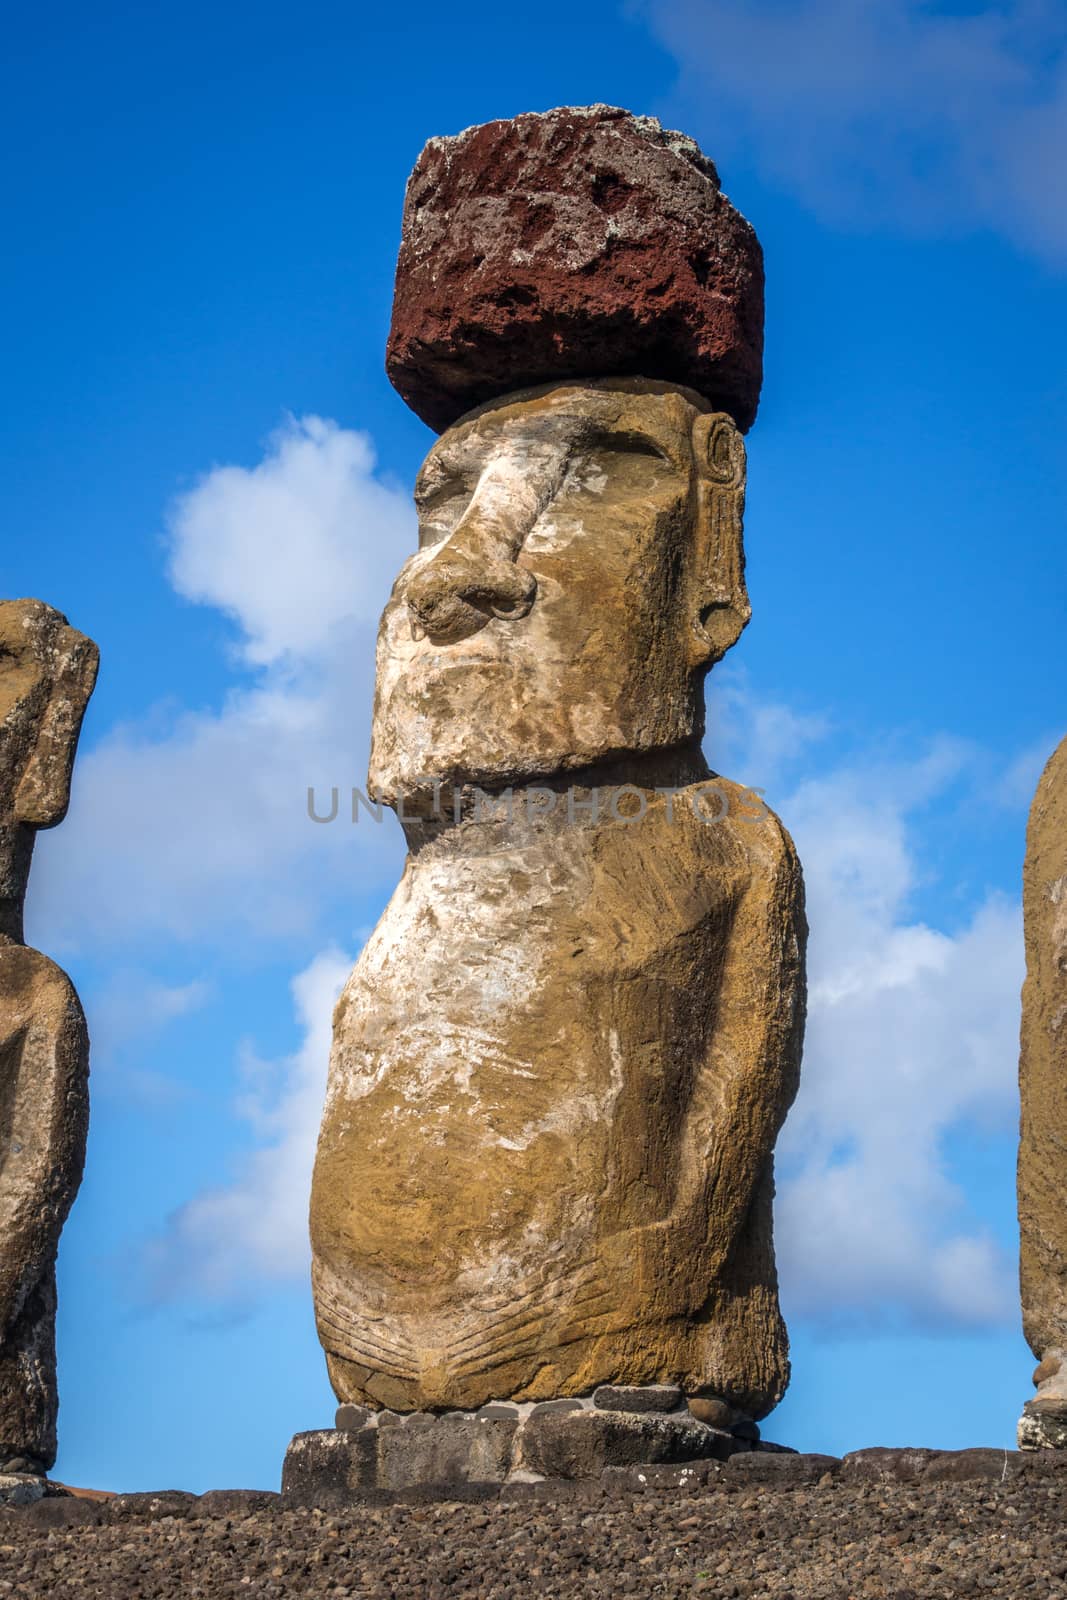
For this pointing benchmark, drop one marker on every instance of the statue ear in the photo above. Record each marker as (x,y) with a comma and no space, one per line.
(719,600)
(43,793)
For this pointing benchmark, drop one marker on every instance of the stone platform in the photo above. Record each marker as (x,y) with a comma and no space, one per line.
(505,1443)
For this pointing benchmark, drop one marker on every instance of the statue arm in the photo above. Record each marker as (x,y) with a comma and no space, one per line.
(752,1065)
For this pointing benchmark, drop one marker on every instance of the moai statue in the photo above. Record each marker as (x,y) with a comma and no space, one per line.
(1043,1095)
(47,673)
(561,1063)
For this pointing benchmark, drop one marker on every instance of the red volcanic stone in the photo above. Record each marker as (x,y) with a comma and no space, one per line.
(583,242)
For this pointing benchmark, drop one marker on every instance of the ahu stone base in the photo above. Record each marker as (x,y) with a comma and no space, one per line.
(1043,1424)
(501,1444)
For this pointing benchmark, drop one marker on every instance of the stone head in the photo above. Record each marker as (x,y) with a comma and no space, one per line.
(47,673)
(580,566)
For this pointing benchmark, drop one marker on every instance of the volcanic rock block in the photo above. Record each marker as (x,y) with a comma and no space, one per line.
(636,1397)
(583,1444)
(580,242)
(21,1488)
(477,1450)
(331,1466)
(47,673)
(1043,1097)
(1043,1425)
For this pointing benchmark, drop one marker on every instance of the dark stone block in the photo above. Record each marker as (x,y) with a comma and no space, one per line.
(746,1429)
(959,1466)
(474,1451)
(236,1502)
(583,1443)
(638,1398)
(681,1477)
(1036,1464)
(438,1455)
(151,1507)
(351,1418)
(786,1470)
(547,1408)
(898,1465)
(69,1512)
(425,1494)
(326,1467)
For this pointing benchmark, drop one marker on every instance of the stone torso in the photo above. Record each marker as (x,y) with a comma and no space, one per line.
(535,1063)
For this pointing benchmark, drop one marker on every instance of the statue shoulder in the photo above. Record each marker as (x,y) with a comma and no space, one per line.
(33,985)
(754,831)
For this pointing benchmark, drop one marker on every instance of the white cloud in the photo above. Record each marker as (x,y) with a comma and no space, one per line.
(305,541)
(241,1236)
(200,831)
(889,109)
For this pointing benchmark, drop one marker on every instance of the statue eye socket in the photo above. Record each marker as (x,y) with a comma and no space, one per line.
(625,444)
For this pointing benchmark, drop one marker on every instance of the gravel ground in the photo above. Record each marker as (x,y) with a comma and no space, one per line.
(830,1540)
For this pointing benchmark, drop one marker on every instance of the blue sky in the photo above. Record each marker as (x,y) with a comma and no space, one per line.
(208,472)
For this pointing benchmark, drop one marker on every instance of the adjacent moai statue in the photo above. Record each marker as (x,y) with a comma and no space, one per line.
(47,673)
(562,1061)
(1043,1096)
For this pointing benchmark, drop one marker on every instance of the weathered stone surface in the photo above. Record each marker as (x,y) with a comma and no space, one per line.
(66,1512)
(583,1444)
(475,1451)
(580,567)
(1042,1426)
(331,1467)
(351,1418)
(715,1412)
(746,1429)
(546,1408)
(149,1506)
(235,1502)
(327,1466)
(421,1419)
(637,1397)
(1043,1097)
(787,1468)
(887,1462)
(678,1477)
(21,1488)
(561,1063)
(961,1466)
(47,673)
(576,243)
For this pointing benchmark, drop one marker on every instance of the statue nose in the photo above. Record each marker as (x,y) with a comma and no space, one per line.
(456,594)
(472,576)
